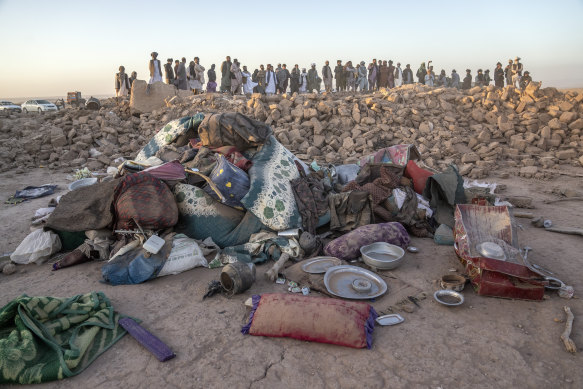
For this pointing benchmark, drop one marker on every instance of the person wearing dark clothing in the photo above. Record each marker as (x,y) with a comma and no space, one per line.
(169,71)
(479,78)
(525,80)
(212,74)
(508,72)
(499,76)
(408,75)
(255,78)
(283,79)
(211,85)
(391,79)
(487,78)
(421,72)
(455,80)
(340,76)
(295,80)
(226,75)
(133,78)
(467,83)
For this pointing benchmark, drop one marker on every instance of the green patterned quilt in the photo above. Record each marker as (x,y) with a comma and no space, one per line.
(47,338)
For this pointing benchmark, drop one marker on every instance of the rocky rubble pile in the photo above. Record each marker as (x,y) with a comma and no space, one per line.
(480,130)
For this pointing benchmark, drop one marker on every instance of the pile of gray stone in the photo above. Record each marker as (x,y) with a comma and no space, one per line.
(483,129)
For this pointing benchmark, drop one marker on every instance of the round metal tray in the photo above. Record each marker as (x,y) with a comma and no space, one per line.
(340,281)
(318,265)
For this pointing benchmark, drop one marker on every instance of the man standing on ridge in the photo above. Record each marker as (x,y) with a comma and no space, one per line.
(226,75)
(327,76)
(155,69)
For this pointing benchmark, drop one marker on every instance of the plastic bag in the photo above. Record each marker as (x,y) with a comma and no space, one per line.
(444,236)
(37,247)
(185,255)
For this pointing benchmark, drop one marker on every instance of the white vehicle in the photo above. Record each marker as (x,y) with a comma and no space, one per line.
(39,106)
(9,106)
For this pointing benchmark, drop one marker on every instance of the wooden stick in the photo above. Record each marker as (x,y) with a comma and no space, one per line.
(565,336)
(523,214)
(565,199)
(566,230)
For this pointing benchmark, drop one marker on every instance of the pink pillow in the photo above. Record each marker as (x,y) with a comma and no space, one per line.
(315,319)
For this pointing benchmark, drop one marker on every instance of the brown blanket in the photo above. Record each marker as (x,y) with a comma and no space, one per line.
(87,208)
(232,129)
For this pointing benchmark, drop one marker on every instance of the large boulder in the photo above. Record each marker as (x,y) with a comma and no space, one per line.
(143,100)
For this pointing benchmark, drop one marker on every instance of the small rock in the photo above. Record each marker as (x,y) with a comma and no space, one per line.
(566,154)
(9,269)
(470,157)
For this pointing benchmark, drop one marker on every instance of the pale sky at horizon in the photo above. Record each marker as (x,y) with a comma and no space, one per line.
(51,47)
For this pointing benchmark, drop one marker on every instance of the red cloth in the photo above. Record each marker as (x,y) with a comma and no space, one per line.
(418,175)
(234,156)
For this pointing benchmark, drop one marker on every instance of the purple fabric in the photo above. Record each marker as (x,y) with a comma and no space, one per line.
(170,171)
(147,339)
(369,327)
(348,246)
(255,299)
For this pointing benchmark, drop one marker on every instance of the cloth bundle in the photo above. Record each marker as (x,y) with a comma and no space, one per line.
(348,246)
(143,199)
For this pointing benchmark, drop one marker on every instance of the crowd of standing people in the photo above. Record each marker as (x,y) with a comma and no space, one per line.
(236,79)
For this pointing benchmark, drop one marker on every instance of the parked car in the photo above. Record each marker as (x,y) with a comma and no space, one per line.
(38,106)
(9,106)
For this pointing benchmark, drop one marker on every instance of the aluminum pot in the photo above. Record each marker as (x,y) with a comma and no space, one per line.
(383,256)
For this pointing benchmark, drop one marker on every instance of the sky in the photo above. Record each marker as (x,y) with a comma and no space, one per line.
(51,47)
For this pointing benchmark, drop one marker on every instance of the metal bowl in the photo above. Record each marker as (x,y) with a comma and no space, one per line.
(82,182)
(381,255)
(444,296)
(453,282)
(491,250)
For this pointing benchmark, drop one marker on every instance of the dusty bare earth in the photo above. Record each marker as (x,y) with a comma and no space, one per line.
(485,343)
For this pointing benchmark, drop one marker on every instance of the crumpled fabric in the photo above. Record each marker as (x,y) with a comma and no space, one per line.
(380,188)
(233,129)
(311,199)
(235,157)
(261,247)
(349,210)
(33,192)
(409,215)
(205,161)
(444,191)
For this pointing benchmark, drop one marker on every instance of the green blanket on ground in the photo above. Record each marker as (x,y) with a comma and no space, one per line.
(47,338)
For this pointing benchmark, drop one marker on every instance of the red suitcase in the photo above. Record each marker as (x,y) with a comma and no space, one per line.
(509,278)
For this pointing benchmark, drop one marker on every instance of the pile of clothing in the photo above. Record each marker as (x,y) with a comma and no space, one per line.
(211,189)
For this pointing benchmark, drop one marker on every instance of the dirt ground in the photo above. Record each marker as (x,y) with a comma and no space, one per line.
(486,342)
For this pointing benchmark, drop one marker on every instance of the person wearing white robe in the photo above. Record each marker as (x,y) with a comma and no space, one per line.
(198,76)
(303,81)
(122,86)
(249,84)
(155,71)
(270,80)
(398,75)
